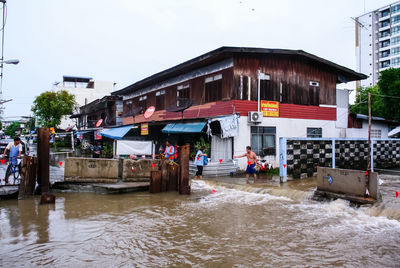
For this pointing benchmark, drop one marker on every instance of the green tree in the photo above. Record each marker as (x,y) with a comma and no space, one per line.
(1,125)
(49,107)
(30,125)
(12,129)
(361,104)
(389,85)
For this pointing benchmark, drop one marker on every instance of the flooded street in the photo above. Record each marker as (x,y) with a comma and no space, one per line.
(238,225)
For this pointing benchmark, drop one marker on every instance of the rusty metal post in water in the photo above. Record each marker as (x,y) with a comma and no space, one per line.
(184,187)
(43,151)
(28,177)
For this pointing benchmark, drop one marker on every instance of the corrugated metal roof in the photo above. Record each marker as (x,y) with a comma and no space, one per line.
(344,74)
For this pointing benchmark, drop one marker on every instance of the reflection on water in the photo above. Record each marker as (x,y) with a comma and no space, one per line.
(256,225)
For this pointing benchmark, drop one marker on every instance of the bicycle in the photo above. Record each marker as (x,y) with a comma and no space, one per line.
(15,170)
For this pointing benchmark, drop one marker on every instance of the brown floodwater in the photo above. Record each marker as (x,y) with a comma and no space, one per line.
(239,225)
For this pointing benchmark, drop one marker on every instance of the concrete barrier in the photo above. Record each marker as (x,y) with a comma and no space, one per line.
(138,170)
(350,184)
(91,170)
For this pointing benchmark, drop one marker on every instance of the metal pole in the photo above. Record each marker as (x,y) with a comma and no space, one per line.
(372,156)
(283,159)
(2,49)
(72,141)
(369,145)
(43,151)
(333,154)
(258,90)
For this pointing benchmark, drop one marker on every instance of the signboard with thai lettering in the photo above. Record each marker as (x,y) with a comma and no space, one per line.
(270,108)
(144,129)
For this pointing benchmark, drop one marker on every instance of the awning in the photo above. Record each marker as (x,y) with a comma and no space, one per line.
(116,133)
(78,133)
(184,128)
(394,132)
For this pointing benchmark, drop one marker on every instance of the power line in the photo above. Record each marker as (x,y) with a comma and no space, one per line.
(386,96)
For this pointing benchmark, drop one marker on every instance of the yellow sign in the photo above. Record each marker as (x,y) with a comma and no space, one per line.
(52,130)
(270,108)
(144,129)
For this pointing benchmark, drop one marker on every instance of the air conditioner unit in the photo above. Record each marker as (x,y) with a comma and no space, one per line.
(255,117)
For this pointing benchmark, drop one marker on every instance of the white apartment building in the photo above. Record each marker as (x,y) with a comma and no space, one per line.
(377,42)
(85,90)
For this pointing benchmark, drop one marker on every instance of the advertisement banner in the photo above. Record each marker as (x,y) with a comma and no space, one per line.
(270,108)
(144,129)
(97,135)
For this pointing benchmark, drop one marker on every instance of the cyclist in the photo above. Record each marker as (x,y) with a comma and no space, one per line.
(15,149)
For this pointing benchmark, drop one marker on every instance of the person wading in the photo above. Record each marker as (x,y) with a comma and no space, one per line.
(251,163)
(15,149)
(169,151)
(199,162)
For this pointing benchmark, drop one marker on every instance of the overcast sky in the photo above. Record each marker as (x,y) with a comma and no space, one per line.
(126,40)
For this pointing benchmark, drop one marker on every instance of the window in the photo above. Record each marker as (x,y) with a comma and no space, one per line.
(313,93)
(395,40)
(386,43)
(142,103)
(376,133)
(263,140)
(385,33)
(385,23)
(396,19)
(385,53)
(213,88)
(385,13)
(128,104)
(160,100)
(267,90)
(396,61)
(245,86)
(182,95)
(385,63)
(395,9)
(314,132)
(395,29)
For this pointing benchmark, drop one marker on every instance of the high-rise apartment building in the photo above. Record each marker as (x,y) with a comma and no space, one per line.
(378,42)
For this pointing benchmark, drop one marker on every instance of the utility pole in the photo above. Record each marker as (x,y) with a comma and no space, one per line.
(369,146)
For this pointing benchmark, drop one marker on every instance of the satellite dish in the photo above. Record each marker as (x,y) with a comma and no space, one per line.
(149,112)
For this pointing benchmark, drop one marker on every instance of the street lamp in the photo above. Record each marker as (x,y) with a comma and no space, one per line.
(14,61)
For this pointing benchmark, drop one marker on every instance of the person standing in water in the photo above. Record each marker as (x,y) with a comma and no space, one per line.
(251,163)
(199,162)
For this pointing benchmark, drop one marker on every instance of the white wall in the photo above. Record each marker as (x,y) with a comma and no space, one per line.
(363,132)
(285,127)
(84,96)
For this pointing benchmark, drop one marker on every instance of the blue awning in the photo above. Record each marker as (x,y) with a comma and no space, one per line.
(116,133)
(184,128)
(78,133)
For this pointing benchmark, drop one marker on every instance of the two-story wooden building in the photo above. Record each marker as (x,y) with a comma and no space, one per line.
(301,88)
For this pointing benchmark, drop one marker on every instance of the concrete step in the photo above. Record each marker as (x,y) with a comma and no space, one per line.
(215,169)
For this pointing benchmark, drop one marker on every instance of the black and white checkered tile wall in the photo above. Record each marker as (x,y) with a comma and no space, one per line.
(303,156)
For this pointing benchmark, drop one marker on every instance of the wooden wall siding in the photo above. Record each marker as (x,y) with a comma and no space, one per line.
(293,72)
(197,91)
(219,108)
